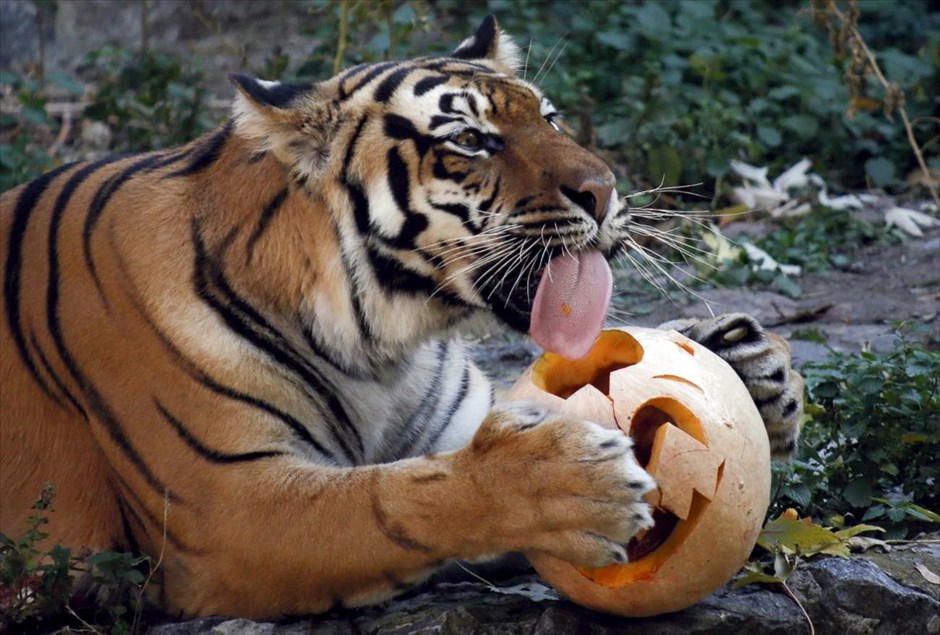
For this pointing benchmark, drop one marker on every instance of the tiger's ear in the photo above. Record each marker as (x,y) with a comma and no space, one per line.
(491,43)
(296,122)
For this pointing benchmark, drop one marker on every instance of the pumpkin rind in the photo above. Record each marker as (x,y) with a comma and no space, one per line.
(720,500)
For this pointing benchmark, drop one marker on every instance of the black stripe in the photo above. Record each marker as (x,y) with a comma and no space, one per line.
(358,198)
(446,104)
(360,205)
(452,408)
(457,67)
(440,170)
(108,189)
(402,129)
(472,102)
(213,456)
(131,497)
(442,120)
(393,275)
(777,376)
(206,153)
(409,433)
(367,372)
(459,210)
(488,203)
(245,321)
(399,184)
(429,83)
(349,73)
(767,401)
(395,532)
(267,215)
(94,399)
(388,86)
(130,540)
(374,72)
(55,377)
(25,204)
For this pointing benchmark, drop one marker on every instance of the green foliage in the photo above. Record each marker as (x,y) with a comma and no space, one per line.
(37,586)
(869,450)
(150,100)
(704,81)
(382,30)
(33,583)
(26,134)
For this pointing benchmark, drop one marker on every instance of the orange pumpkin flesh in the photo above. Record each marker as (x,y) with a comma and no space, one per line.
(696,430)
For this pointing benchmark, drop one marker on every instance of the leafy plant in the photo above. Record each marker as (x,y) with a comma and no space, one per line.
(33,583)
(868,451)
(38,585)
(26,134)
(149,99)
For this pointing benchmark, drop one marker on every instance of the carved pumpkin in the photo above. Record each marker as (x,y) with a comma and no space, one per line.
(697,432)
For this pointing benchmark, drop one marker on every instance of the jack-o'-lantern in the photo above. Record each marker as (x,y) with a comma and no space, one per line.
(697,431)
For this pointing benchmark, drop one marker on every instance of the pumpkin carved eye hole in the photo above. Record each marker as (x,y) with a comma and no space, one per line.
(469,139)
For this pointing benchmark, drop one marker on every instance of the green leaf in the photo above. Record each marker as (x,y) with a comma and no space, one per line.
(66,82)
(664,165)
(769,136)
(784,284)
(803,125)
(858,492)
(880,170)
(845,534)
(405,14)
(800,537)
(653,20)
(754,573)
(620,40)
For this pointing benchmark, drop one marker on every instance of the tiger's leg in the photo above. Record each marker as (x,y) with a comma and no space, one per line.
(528,481)
(763,362)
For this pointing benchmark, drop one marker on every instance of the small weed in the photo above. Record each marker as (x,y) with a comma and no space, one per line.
(34,583)
(39,590)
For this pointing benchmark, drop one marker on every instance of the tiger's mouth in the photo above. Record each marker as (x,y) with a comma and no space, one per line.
(562,306)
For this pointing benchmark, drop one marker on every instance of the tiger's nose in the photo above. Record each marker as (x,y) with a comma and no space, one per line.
(593,196)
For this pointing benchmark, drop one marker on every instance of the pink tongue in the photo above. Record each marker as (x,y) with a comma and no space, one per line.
(571,304)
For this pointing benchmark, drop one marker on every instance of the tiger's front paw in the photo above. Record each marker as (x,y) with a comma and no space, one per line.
(562,485)
(762,360)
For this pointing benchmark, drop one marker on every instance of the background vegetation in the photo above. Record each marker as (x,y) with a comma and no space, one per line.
(669,92)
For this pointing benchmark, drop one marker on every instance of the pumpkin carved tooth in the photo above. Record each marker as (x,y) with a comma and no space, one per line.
(696,430)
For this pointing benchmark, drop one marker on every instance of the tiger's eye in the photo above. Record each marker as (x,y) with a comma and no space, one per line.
(468,139)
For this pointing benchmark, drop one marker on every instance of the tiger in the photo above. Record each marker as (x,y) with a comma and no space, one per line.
(242,356)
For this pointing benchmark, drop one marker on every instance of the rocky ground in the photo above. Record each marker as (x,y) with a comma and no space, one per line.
(871,593)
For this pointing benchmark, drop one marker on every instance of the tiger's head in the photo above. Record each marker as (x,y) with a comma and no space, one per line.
(450,182)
